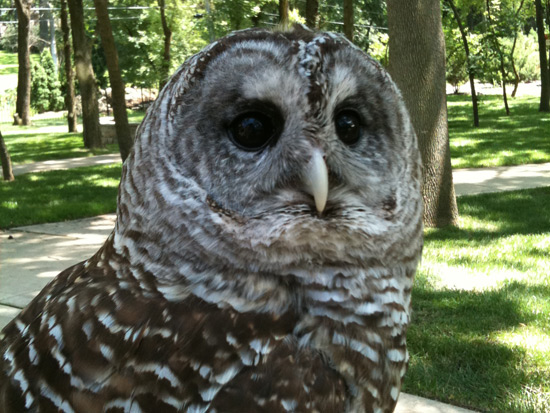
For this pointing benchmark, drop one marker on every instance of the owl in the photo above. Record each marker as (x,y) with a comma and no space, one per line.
(269,226)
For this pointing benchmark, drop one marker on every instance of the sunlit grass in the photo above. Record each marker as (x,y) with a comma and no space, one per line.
(480,333)
(500,140)
(59,195)
(38,142)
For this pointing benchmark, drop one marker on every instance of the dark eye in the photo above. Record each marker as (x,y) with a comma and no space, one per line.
(252,131)
(348,126)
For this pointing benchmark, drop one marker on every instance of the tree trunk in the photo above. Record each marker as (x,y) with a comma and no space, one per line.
(23,104)
(124,137)
(283,13)
(471,74)
(348,19)
(498,48)
(544,105)
(85,76)
(514,68)
(209,22)
(53,45)
(312,13)
(417,64)
(5,160)
(165,71)
(69,74)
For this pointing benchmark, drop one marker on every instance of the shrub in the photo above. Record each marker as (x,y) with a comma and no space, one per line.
(45,86)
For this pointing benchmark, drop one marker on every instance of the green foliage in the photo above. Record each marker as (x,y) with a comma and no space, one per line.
(526,56)
(45,85)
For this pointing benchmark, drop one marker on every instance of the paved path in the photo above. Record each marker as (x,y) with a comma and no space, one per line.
(66,164)
(502,178)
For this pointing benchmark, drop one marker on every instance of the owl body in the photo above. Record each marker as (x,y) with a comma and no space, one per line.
(268,231)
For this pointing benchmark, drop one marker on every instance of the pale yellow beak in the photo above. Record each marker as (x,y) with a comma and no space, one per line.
(316,179)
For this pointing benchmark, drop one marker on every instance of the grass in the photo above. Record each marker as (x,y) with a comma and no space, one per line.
(59,195)
(500,140)
(480,332)
(43,140)
(8,63)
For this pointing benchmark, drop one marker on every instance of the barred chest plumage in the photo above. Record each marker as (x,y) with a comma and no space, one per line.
(269,225)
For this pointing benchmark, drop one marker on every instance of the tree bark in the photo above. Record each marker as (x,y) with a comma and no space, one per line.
(312,13)
(124,137)
(23,103)
(283,13)
(69,74)
(544,105)
(348,19)
(417,64)
(85,76)
(498,48)
(5,159)
(471,74)
(165,71)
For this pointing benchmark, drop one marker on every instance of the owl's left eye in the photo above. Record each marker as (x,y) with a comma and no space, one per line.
(348,126)
(252,131)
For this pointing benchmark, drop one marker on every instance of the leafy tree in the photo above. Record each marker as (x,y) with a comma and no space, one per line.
(45,86)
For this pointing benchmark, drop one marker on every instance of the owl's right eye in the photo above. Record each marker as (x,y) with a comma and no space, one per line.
(252,131)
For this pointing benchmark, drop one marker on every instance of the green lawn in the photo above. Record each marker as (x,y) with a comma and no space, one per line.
(480,333)
(522,138)
(8,63)
(46,139)
(59,195)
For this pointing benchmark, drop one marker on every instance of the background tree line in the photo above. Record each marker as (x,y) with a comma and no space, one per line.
(139,43)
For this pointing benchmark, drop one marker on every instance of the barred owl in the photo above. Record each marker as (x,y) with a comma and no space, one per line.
(268,231)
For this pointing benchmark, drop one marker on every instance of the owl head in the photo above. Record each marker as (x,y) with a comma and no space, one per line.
(268,149)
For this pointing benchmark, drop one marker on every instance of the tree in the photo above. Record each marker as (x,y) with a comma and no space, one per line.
(283,12)
(417,64)
(124,137)
(5,160)
(45,85)
(493,37)
(348,19)
(85,75)
(69,74)
(312,13)
(469,65)
(23,103)
(165,72)
(544,105)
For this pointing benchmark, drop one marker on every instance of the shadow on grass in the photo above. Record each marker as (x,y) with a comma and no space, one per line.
(59,195)
(456,357)
(521,212)
(500,140)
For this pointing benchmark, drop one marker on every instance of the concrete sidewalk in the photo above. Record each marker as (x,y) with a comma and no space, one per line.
(32,256)
(61,164)
(502,178)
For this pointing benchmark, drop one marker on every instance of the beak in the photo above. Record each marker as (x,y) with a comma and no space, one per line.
(316,179)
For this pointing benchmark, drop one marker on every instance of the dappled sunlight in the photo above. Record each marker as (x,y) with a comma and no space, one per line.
(36,254)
